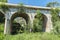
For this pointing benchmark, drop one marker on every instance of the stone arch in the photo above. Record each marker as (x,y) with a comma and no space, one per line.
(44,17)
(23,15)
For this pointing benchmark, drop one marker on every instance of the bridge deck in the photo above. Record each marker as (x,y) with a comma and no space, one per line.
(27,6)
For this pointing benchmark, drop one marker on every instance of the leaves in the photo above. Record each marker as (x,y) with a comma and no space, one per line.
(4,7)
(53,4)
(55,20)
(38,22)
(21,9)
(3,0)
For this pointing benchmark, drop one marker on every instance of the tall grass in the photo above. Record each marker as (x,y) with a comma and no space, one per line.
(28,36)
(1,31)
(32,36)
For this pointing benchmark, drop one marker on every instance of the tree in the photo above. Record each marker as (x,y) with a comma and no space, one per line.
(3,0)
(53,4)
(19,20)
(4,7)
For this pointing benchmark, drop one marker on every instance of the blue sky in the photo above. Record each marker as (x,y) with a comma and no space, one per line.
(32,2)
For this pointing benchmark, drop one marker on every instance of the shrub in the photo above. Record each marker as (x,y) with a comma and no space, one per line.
(38,21)
(1,31)
(55,20)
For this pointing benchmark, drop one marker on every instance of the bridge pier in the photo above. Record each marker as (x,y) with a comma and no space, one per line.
(7,29)
(31,21)
(48,23)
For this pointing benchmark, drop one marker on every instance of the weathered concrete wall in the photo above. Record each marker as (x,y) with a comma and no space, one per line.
(48,23)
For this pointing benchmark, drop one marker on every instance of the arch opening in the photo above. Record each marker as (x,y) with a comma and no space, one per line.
(23,15)
(2,18)
(40,23)
(17,21)
(2,22)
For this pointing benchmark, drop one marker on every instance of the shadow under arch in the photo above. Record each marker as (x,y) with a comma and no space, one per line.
(44,21)
(2,17)
(15,15)
(2,21)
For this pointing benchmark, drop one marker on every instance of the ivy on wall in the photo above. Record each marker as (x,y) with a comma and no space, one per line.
(55,20)
(21,9)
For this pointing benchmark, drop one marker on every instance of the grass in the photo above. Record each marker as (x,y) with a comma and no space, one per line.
(28,36)
(32,36)
(1,31)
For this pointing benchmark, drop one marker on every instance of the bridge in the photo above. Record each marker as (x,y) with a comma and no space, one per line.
(29,15)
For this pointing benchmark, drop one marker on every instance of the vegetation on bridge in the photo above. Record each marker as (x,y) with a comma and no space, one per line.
(38,22)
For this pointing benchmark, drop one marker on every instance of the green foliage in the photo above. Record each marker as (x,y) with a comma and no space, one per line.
(38,21)
(2,18)
(1,36)
(55,14)
(1,31)
(21,9)
(32,36)
(56,28)
(3,0)
(53,4)
(55,20)
(4,7)
(1,27)
(17,28)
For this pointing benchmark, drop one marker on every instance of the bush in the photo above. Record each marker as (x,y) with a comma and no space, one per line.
(38,22)
(1,27)
(55,20)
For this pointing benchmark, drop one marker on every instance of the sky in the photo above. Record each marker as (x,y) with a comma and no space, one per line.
(32,2)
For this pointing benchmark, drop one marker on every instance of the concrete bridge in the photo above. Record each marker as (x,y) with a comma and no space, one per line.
(28,16)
